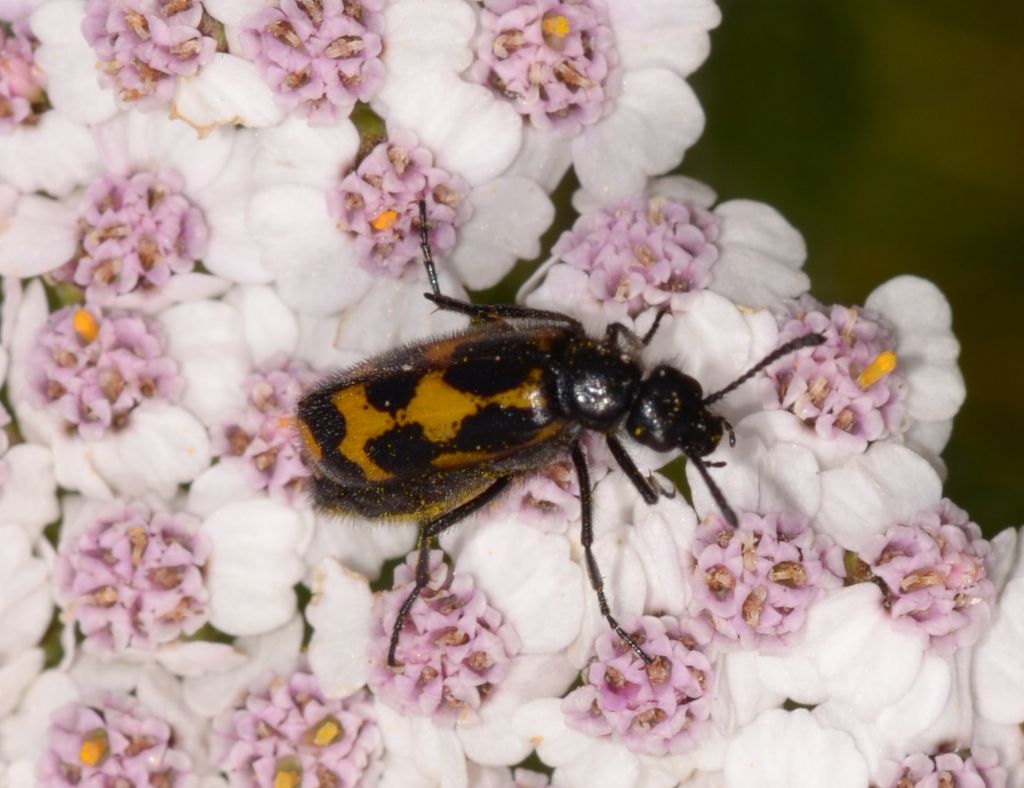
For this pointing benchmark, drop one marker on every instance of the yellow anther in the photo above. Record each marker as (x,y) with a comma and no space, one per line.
(384,220)
(883,364)
(85,325)
(555,26)
(288,773)
(327,731)
(94,749)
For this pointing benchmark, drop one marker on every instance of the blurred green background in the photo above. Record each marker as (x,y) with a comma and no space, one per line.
(891,134)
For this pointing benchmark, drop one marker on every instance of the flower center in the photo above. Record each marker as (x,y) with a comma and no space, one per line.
(379,203)
(756,582)
(934,574)
(272,725)
(556,62)
(93,371)
(135,233)
(143,45)
(453,649)
(133,579)
(641,251)
(22,97)
(111,741)
(262,434)
(320,58)
(657,709)
(849,388)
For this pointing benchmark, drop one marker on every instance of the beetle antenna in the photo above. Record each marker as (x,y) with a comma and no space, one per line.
(807,340)
(716,491)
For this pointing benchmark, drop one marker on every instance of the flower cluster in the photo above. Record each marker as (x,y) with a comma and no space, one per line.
(210,209)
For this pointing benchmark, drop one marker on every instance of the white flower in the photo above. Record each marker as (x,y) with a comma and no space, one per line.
(615,104)
(321,269)
(163,446)
(792,750)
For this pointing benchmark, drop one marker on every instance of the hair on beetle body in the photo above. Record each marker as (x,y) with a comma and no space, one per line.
(436,430)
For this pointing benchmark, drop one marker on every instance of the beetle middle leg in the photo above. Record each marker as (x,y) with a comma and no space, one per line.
(579,459)
(428,531)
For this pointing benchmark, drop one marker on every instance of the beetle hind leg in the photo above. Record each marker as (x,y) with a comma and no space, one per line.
(428,531)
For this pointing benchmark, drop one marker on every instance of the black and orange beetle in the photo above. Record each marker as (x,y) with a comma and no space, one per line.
(436,430)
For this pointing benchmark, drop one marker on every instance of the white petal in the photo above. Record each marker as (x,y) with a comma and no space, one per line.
(428,37)
(197,658)
(761,255)
(294,152)
(542,158)
(232,252)
(270,328)
(361,545)
(70,64)
(24,735)
(661,537)
(861,658)
(778,426)
(74,467)
(469,131)
(1007,558)
(39,237)
(54,156)
(494,739)
(16,674)
(29,497)
(254,563)
(529,576)
(133,141)
(206,339)
(217,486)
(759,478)
(912,304)
(664,33)
(542,722)
(888,484)
(625,585)
(160,691)
(231,12)
(390,313)
(929,438)
(679,187)
(654,121)
(301,245)
(711,342)
(228,90)
(211,693)
(998,672)
(341,615)
(740,682)
(436,752)
(161,448)
(509,216)
(791,750)
(606,765)
(935,390)
(26,601)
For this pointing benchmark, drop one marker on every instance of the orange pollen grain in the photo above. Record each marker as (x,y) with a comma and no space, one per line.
(385,220)
(94,749)
(556,26)
(883,364)
(85,325)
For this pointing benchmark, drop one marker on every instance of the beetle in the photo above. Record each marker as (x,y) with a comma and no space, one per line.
(436,430)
